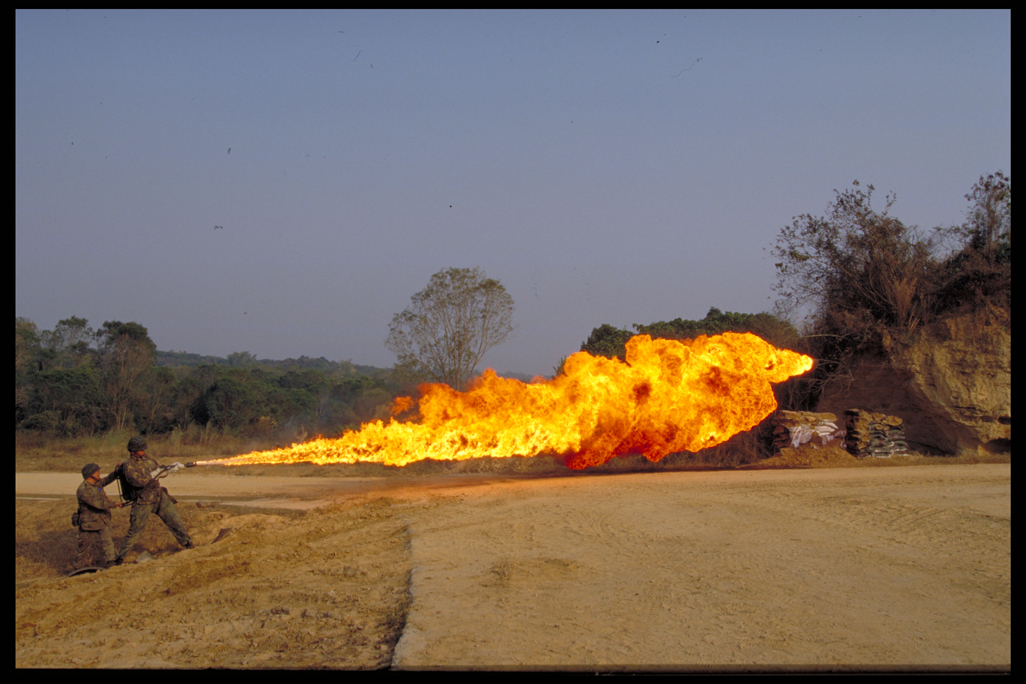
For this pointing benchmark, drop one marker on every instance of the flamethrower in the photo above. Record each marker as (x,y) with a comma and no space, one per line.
(164,471)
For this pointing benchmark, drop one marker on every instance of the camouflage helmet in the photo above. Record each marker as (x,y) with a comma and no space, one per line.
(88,469)
(137,444)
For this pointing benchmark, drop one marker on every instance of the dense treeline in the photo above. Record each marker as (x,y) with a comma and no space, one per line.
(606,340)
(75,381)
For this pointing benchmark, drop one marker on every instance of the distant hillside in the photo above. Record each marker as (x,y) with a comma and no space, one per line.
(179,359)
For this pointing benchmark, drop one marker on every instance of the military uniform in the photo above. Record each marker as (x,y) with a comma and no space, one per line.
(148,497)
(94,521)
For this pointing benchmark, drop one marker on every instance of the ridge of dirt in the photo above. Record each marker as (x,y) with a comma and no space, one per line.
(326,588)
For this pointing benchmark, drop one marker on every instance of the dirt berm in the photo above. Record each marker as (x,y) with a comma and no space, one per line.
(892,568)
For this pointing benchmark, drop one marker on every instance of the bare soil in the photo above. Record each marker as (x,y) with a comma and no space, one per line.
(825,567)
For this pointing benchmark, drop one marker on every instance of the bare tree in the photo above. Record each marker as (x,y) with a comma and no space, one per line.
(450,325)
(857,264)
(125,353)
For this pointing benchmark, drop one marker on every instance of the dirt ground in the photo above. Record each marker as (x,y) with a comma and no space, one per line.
(827,567)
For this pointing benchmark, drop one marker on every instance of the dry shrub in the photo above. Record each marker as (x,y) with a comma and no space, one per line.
(741,449)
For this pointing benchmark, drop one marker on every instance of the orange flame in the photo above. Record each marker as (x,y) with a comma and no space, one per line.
(668,397)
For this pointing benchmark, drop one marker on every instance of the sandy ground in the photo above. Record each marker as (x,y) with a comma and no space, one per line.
(830,568)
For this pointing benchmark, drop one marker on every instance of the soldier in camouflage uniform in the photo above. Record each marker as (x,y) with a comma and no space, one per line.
(147,497)
(93,517)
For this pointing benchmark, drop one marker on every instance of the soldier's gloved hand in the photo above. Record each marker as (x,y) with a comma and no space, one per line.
(156,472)
(177,466)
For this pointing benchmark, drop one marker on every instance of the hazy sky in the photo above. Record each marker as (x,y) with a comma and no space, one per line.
(606,167)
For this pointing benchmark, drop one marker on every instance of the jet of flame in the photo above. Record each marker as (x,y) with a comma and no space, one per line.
(669,396)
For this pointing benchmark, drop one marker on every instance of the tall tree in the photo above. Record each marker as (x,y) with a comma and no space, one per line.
(125,353)
(67,345)
(450,325)
(980,271)
(990,216)
(26,351)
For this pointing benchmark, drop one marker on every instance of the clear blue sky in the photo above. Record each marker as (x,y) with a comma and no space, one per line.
(606,167)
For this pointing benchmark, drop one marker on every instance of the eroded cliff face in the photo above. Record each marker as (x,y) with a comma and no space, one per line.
(951,383)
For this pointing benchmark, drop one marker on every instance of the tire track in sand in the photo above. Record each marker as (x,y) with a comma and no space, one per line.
(676,570)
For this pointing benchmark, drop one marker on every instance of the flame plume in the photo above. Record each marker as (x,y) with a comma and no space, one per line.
(669,396)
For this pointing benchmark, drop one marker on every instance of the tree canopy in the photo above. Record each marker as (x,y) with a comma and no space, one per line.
(609,341)
(125,352)
(450,325)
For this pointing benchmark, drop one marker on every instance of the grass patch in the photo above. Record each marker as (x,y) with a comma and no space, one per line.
(35,452)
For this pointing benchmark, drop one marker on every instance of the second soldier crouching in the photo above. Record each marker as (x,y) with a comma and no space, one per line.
(93,517)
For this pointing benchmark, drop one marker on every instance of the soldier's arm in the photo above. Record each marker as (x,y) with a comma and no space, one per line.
(93,498)
(110,478)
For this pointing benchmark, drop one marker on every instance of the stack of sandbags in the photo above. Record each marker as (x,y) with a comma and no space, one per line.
(873,434)
(794,428)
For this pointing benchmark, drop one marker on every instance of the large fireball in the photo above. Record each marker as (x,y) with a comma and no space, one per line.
(669,396)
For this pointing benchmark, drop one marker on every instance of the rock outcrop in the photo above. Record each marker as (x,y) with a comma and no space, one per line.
(951,382)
